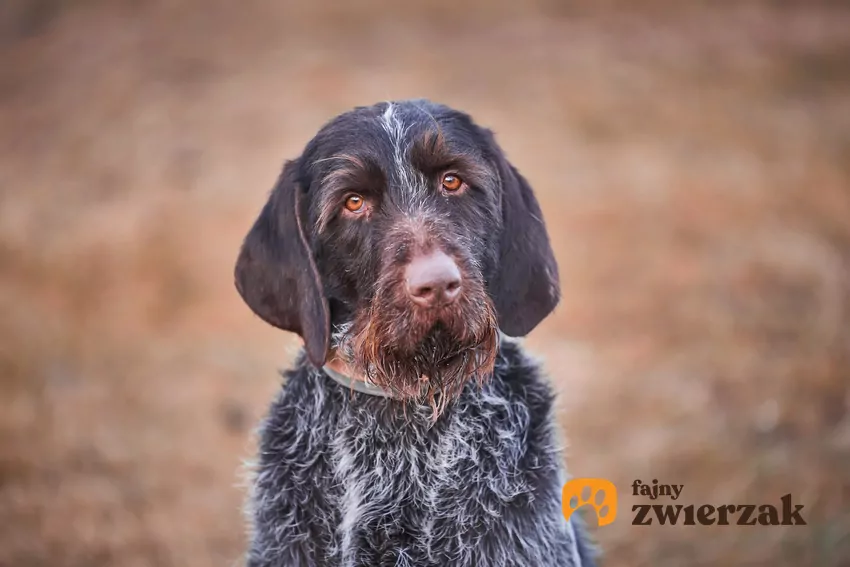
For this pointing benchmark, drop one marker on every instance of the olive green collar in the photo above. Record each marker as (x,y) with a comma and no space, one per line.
(358,385)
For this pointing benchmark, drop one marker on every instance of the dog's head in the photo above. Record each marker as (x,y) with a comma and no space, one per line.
(403,234)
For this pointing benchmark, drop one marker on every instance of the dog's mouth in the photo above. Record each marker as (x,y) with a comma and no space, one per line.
(424,354)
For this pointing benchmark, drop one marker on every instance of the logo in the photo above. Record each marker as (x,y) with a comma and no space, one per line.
(602,496)
(597,492)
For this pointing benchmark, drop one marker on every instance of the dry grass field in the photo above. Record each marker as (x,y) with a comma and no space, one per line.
(693,163)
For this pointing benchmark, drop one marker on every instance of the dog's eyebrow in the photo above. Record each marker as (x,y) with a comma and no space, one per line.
(353,160)
(347,169)
(348,173)
(432,152)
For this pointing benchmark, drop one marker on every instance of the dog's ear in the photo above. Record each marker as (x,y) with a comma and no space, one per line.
(527,287)
(276,274)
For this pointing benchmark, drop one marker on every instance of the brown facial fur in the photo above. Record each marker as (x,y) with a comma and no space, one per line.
(415,352)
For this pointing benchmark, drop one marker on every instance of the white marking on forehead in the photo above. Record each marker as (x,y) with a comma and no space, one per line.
(393,125)
(413,183)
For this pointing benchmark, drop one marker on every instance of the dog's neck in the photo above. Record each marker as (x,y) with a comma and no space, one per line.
(340,372)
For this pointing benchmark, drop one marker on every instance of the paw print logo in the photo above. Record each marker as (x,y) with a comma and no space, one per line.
(597,492)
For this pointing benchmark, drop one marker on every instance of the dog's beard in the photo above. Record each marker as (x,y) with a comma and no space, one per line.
(426,355)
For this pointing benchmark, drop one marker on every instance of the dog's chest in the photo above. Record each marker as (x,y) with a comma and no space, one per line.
(404,480)
(346,480)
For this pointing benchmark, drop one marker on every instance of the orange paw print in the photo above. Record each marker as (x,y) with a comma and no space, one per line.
(597,492)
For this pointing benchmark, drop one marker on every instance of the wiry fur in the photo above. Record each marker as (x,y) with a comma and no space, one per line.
(347,479)
(462,468)
(413,181)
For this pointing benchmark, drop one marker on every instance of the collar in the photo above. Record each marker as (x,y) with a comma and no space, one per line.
(359,385)
(372,389)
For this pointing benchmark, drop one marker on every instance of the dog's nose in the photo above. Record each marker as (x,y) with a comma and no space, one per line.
(432,279)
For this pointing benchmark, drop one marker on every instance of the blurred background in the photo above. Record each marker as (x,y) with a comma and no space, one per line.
(693,163)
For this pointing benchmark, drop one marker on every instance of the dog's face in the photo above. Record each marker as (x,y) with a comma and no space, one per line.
(403,234)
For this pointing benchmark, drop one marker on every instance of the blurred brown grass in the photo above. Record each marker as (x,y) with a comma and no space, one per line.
(693,161)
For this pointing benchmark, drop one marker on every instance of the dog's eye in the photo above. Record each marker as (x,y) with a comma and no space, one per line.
(452,182)
(354,203)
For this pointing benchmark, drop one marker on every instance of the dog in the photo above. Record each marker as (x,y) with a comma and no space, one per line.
(413,430)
